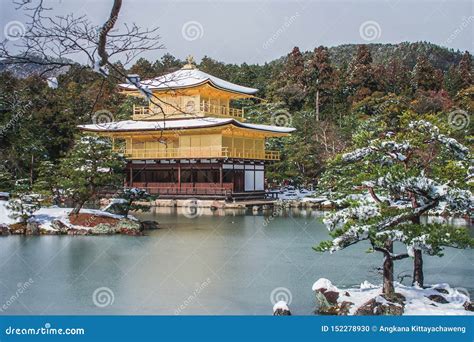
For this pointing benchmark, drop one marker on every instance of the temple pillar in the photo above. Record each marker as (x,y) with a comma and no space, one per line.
(220,175)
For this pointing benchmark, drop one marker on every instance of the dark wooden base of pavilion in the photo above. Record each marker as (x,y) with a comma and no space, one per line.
(203,178)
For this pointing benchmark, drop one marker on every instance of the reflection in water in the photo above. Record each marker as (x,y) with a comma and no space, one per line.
(220,262)
(205,211)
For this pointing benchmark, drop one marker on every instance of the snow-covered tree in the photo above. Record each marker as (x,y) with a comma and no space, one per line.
(388,182)
(89,167)
(46,181)
(23,204)
(5,179)
(129,199)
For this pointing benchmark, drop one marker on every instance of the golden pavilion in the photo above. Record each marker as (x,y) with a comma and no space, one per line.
(189,141)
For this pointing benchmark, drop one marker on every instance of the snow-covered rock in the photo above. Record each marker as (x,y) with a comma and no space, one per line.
(54,220)
(281,309)
(439,299)
(325,284)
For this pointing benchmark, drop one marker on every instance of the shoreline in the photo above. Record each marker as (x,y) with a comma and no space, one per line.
(59,221)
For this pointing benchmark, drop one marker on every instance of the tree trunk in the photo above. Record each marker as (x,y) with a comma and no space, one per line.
(127,210)
(388,288)
(418,278)
(317,105)
(77,208)
(31,170)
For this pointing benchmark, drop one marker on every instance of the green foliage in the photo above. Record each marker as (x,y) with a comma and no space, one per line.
(362,81)
(46,182)
(6,180)
(380,90)
(23,203)
(89,167)
(404,174)
(131,197)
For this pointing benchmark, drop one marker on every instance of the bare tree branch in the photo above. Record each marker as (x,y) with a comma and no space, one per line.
(58,40)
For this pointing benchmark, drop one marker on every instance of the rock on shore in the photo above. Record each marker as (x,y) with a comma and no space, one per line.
(368,299)
(59,221)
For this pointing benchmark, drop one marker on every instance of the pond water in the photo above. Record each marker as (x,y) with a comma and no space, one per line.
(222,262)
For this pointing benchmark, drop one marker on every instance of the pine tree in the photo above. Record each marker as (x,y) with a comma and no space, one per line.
(89,167)
(23,203)
(143,68)
(362,79)
(213,67)
(395,77)
(129,199)
(425,76)
(465,71)
(294,67)
(6,178)
(388,182)
(46,181)
(320,79)
(452,81)
(291,81)
(168,63)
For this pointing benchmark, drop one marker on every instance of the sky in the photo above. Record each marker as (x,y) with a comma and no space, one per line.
(237,31)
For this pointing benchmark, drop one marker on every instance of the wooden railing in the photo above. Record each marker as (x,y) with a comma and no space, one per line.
(199,152)
(218,110)
(212,189)
(205,108)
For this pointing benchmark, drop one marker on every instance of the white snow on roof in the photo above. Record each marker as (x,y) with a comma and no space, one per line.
(185,78)
(131,125)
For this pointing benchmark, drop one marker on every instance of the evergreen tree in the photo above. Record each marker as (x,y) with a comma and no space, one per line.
(168,63)
(129,199)
(362,79)
(405,174)
(23,203)
(213,67)
(5,180)
(294,67)
(395,78)
(465,71)
(46,181)
(425,76)
(89,167)
(291,80)
(143,68)
(452,81)
(319,80)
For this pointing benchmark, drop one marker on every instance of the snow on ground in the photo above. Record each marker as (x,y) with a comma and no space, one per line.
(45,216)
(416,302)
(290,193)
(4,214)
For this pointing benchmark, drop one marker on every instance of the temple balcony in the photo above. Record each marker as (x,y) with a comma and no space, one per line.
(198,153)
(205,109)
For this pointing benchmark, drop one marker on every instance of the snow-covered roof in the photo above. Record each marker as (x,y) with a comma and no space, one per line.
(186,78)
(131,125)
